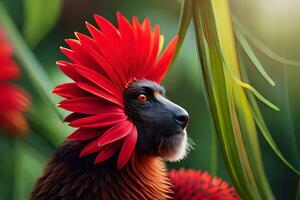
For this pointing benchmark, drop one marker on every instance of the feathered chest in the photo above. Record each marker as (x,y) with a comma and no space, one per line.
(68,177)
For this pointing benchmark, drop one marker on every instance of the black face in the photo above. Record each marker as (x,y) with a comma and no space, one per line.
(161,124)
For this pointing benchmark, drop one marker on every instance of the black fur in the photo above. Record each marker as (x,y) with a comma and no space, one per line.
(155,120)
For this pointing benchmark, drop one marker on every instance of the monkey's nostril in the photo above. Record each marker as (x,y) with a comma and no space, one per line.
(182,118)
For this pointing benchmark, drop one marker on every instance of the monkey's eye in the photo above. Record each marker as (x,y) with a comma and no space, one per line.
(142,99)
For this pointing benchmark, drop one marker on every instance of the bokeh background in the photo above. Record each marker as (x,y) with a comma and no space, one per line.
(274,22)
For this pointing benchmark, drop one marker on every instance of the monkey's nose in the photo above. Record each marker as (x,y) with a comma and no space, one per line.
(182,117)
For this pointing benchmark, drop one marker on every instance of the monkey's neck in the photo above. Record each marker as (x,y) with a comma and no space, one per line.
(149,177)
(68,177)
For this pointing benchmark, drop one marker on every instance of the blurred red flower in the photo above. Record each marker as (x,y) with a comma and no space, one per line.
(194,185)
(14,102)
(102,67)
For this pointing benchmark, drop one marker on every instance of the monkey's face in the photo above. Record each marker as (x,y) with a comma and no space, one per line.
(161,123)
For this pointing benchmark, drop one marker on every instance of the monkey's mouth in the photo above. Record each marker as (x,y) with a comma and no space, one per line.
(175,147)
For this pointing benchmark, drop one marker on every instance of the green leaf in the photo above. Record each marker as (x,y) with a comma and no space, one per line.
(248,50)
(40,18)
(215,86)
(249,87)
(231,112)
(27,167)
(263,128)
(184,22)
(262,47)
(262,125)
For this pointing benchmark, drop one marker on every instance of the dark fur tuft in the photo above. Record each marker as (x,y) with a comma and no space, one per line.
(69,177)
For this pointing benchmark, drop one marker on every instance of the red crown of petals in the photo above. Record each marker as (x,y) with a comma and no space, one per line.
(102,67)
(13,101)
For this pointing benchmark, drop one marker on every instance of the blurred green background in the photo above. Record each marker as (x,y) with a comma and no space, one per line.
(274,22)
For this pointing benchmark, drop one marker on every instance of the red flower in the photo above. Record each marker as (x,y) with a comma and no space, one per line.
(13,101)
(194,185)
(102,67)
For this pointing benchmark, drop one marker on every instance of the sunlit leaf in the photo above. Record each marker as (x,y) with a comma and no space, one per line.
(262,47)
(249,87)
(40,18)
(230,108)
(262,125)
(247,48)
(214,81)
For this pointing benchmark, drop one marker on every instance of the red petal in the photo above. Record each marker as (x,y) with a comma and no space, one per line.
(79,55)
(94,51)
(100,120)
(153,50)
(6,49)
(13,98)
(128,42)
(82,134)
(143,41)
(137,31)
(127,148)
(9,69)
(86,41)
(161,68)
(68,69)
(69,90)
(13,121)
(100,80)
(115,133)
(100,93)
(110,50)
(92,147)
(107,152)
(74,116)
(107,28)
(89,105)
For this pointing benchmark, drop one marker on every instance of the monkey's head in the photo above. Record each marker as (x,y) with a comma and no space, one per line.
(117,104)
(161,124)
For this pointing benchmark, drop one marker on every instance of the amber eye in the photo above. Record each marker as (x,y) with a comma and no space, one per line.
(142,99)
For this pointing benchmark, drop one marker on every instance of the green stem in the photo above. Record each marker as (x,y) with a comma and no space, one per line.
(184,22)
(40,80)
(214,154)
